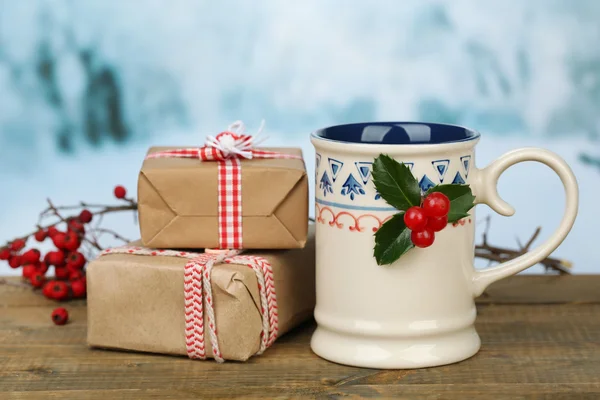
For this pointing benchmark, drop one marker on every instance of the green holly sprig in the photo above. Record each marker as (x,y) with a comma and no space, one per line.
(400,189)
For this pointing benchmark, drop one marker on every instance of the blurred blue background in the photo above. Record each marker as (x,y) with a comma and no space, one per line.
(87,86)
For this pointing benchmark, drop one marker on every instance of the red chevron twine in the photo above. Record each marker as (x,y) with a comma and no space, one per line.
(227,148)
(198,295)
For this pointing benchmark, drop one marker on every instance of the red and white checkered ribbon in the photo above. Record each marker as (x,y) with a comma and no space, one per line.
(227,148)
(198,291)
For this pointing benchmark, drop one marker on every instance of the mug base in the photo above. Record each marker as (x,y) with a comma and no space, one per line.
(395,353)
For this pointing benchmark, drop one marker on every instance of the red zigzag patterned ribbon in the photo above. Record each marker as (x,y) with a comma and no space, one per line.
(198,291)
(226,149)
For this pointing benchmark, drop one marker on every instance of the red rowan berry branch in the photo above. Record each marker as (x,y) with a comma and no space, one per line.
(73,244)
(54,211)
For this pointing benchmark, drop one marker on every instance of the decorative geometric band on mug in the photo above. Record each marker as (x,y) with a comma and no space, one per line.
(354,182)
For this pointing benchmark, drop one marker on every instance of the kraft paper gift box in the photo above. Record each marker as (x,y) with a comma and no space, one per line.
(178,202)
(136,302)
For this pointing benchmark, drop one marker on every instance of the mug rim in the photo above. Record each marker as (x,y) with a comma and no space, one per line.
(469,134)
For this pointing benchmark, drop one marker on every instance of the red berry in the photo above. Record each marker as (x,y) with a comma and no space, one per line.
(76,226)
(59,290)
(436,205)
(415,219)
(72,241)
(37,279)
(78,288)
(40,235)
(60,316)
(423,239)
(17,245)
(4,254)
(42,267)
(86,216)
(437,224)
(120,192)
(15,261)
(76,275)
(75,261)
(47,289)
(52,231)
(29,270)
(31,256)
(56,258)
(59,240)
(61,273)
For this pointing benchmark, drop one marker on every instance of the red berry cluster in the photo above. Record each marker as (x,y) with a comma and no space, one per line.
(69,276)
(431,217)
(69,279)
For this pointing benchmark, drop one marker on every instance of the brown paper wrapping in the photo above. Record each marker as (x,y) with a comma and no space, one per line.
(178,202)
(137,302)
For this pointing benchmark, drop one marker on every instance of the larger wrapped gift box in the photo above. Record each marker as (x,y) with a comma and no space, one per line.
(136,302)
(178,202)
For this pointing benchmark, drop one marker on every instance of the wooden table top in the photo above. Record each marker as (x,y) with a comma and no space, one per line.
(540,338)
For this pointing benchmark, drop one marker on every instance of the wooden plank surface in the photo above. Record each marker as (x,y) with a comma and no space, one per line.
(540,338)
(544,289)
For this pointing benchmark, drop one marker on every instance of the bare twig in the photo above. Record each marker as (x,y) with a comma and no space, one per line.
(532,239)
(15,284)
(499,254)
(55,211)
(80,206)
(113,233)
(93,242)
(519,243)
(487,220)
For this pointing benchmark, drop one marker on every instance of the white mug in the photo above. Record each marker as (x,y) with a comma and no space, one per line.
(420,310)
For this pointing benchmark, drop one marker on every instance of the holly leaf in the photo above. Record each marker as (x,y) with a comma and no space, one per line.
(392,240)
(395,183)
(461,200)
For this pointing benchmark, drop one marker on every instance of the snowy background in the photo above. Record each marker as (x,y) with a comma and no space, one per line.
(87,86)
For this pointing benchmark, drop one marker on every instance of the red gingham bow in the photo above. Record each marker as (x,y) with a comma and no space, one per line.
(226,149)
(197,288)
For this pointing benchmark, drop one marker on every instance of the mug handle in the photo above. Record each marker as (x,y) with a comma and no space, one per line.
(485,190)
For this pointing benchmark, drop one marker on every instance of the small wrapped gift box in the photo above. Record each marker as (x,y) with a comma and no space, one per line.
(181,200)
(215,305)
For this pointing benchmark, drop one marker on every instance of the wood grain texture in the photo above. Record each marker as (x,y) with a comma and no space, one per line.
(540,334)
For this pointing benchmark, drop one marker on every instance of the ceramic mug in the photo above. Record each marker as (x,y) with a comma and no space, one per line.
(419,311)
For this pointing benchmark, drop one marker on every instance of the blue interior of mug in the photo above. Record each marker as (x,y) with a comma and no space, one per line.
(397,133)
